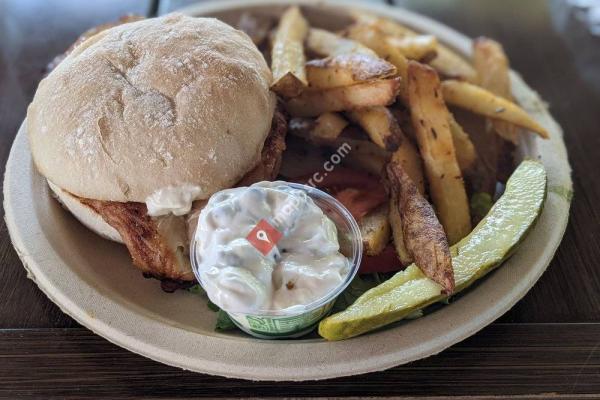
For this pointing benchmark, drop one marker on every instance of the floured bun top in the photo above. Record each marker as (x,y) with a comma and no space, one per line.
(165,102)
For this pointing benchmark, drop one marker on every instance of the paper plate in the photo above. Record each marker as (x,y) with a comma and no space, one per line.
(92,279)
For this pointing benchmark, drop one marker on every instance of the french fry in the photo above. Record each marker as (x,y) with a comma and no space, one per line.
(397,233)
(464,148)
(386,25)
(451,65)
(407,156)
(322,131)
(325,43)
(430,120)
(492,68)
(328,127)
(447,62)
(346,70)
(312,103)
(418,47)
(491,65)
(409,159)
(374,39)
(483,102)
(375,230)
(423,234)
(380,125)
(287,54)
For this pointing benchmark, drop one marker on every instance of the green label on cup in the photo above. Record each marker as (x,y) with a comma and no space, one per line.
(285,326)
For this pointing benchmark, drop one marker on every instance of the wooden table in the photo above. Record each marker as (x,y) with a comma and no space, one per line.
(548,345)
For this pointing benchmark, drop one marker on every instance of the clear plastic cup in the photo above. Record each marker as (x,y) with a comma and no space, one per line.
(303,318)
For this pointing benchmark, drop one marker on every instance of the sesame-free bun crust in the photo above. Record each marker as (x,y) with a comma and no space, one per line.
(150,104)
(85,214)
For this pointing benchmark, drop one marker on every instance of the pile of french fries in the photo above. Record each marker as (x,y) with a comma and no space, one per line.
(386,90)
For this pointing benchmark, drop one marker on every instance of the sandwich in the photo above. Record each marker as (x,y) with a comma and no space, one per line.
(140,123)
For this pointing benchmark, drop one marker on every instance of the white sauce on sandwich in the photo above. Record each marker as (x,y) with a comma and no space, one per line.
(303,265)
(176,200)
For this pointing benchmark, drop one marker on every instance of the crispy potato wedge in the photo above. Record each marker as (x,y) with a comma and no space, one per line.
(424,236)
(447,62)
(492,68)
(430,121)
(312,103)
(375,39)
(325,43)
(418,47)
(287,54)
(450,65)
(464,148)
(397,233)
(321,131)
(375,230)
(328,127)
(480,101)
(409,159)
(380,125)
(386,25)
(407,156)
(346,70)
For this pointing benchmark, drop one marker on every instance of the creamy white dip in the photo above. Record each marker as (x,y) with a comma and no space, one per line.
(175,200)
(304,265)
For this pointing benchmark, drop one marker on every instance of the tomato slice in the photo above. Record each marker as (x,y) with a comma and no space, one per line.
(341,178)
(358,191)
(386,261)
(360,202)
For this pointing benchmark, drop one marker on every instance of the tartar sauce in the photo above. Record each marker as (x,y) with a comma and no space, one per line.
(176,200)
(303,266)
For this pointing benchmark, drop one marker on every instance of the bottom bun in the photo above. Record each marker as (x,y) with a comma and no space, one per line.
(85,215)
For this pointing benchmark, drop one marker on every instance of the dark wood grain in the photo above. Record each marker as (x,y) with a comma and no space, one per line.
(548,343)
(504,358)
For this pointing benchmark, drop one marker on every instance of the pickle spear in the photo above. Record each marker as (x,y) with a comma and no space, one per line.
(491,242)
